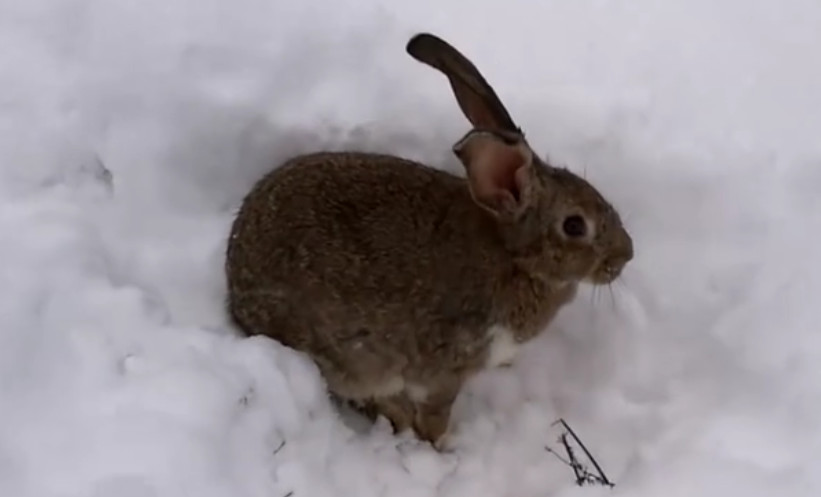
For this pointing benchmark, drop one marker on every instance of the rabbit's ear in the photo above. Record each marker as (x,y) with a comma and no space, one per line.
(499,170)
(475,96)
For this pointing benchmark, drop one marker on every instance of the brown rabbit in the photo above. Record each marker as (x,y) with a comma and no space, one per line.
(401,280)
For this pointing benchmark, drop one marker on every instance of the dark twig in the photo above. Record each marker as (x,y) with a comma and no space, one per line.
(579,470)
(558,456)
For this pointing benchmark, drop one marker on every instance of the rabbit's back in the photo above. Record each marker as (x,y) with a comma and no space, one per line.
(369,263)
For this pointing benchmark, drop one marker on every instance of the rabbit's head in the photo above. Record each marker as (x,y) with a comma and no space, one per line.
(558,227)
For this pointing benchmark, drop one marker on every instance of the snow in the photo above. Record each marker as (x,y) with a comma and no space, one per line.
(129,132)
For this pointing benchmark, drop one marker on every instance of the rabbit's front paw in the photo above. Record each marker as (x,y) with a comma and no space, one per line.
(398,409)
(431,424)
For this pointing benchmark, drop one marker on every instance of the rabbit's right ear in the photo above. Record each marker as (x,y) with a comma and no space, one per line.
(500,171)
(475,96)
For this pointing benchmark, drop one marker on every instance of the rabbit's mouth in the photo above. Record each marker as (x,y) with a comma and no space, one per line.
(607,271)
(613,260)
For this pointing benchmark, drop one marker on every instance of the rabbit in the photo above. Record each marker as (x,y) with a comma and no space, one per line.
(401,281)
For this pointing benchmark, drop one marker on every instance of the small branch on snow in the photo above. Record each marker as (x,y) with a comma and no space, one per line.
(583,475)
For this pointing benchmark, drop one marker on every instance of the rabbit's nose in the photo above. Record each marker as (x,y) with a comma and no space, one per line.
(626,248)
(619,256)
(621,251)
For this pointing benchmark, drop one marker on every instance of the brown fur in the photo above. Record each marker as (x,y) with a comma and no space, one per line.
(389,273)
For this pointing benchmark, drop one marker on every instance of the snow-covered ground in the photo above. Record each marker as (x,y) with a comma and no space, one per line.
(129,131)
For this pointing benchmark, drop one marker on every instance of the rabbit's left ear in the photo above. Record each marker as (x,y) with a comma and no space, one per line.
(475,96)
(499,170)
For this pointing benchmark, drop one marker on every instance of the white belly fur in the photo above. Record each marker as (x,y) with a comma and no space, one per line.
(503,347)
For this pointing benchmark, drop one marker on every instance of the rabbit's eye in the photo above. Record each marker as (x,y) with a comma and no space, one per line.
(574,226)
